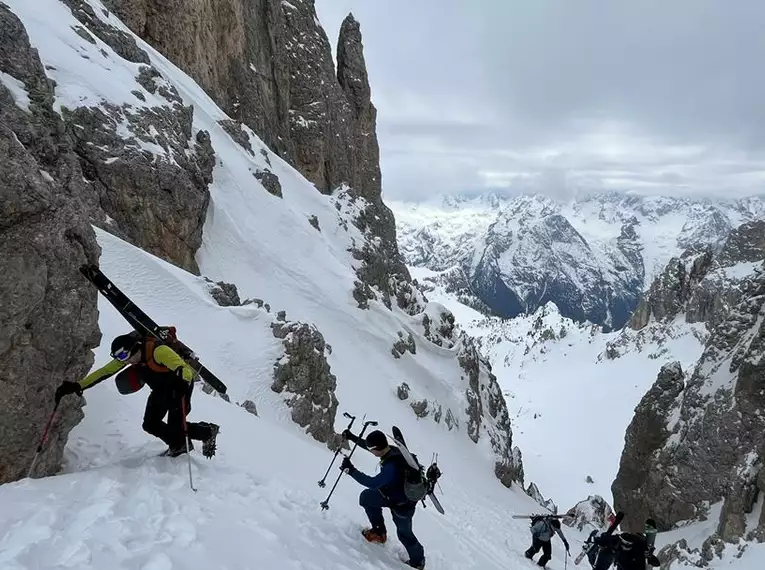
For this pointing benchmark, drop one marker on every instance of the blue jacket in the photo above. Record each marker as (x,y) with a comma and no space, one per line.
(390,480)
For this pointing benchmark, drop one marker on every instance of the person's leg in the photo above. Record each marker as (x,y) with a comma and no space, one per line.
(156,407)
(373,502)
(403,522)
(546,553)
(536,544)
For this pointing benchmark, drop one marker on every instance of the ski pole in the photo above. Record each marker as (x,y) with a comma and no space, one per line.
(325,503)
(43,439)
(186,439)
(323,483)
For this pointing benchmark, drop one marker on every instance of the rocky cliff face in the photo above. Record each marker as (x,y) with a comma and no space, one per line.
(48,312)
(699,441)
(268,64)
(702,285)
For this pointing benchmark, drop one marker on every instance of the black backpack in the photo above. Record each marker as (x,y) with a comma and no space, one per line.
(415,484)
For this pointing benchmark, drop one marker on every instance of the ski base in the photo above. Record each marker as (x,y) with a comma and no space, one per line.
(142,323)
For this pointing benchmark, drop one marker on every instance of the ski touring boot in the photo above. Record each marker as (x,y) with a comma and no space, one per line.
(378,536)
(209,445)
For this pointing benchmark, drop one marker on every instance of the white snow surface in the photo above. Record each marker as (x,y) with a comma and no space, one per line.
(117,505)
(17,89)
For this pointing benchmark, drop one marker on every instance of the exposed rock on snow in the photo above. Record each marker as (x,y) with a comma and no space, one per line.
(487,410)
(533,491)
(225,294)
(404,345)
(48,311)
(304,375)
(593,511)
(249,405)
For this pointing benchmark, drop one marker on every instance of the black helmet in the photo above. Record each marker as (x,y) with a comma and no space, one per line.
(627,540)
(376,441)
(125,345)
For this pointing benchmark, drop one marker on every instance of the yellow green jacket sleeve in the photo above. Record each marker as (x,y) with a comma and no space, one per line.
(109,369)
(166,356)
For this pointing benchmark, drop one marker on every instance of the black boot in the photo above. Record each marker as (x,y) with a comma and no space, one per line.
(176,450)
(209,444)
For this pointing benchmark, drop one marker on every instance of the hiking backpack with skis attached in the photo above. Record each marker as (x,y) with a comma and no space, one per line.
(143,324)
(418,484)
(590,543)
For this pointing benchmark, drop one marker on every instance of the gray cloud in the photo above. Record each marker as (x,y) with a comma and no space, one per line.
(555,96)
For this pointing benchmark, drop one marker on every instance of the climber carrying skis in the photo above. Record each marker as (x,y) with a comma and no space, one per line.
(143,360)
(386,490)
(542,530)
(630,551)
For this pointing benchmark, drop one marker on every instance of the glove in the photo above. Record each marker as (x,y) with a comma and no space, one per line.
(347,466)
(653,561)
(68,388)
(346,434)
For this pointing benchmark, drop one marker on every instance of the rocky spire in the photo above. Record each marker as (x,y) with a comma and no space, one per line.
(352,76)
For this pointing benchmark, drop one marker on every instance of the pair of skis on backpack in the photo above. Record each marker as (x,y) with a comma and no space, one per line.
(587,546)
(430,477)
(144,324)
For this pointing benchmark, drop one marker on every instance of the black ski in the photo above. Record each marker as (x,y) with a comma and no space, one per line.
(590,544)
(141,322)
(547,515)
(399,440)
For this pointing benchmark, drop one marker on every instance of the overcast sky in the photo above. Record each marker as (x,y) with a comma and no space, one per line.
(658,96)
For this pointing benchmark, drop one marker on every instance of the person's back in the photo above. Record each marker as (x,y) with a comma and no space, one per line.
(632,553)
(394,491)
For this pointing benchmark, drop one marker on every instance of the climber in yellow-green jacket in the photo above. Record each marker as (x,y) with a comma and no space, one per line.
(139,360)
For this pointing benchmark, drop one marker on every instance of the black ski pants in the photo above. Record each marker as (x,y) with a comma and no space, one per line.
(546,547)
(170,398)
(373,502)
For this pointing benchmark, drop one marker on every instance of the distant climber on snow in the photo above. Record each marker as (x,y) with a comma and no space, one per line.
(542,530)
(386,490)
(143,360)
(600,557)
(629,551)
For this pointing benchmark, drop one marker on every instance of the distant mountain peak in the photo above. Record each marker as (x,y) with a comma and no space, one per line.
(593,256)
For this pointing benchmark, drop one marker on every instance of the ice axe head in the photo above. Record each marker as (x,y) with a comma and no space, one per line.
(349,416)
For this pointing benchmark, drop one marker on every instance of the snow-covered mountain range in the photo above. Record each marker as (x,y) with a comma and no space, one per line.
(592,256)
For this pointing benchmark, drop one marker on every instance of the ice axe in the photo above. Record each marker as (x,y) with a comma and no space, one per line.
(325,503)
(323,483)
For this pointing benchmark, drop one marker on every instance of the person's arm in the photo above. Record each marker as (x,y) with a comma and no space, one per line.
(166,356)
(386,476)
(563,538)
(355,439)
(109,369)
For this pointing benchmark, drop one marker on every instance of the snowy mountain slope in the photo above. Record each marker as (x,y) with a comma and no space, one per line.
(570,397)
(593,256)
(117,505)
